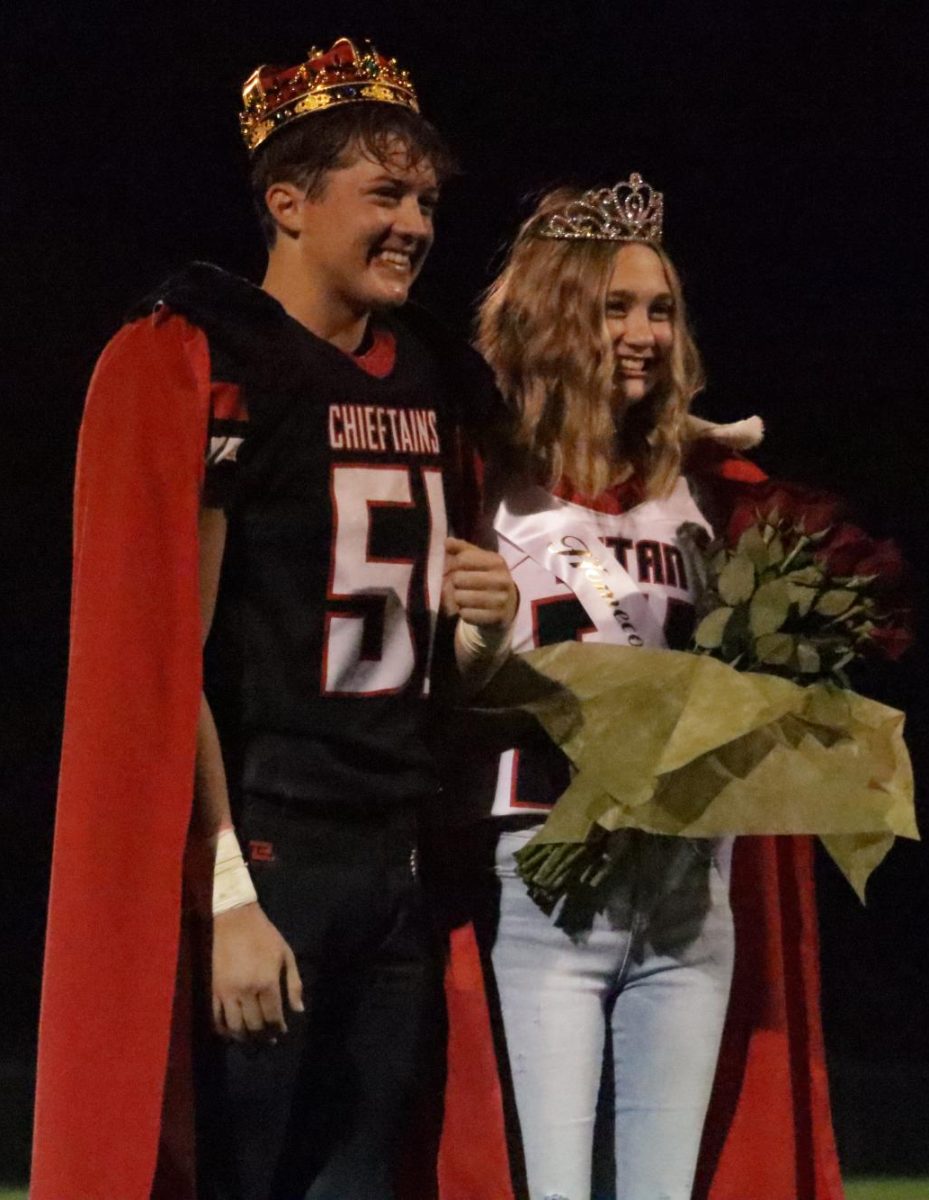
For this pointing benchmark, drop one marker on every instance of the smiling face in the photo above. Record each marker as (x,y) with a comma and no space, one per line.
(639,320)
(365,235)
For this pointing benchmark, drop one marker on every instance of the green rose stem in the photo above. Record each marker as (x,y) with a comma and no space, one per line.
(784,565)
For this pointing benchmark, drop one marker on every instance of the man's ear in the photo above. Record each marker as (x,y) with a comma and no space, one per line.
(285,204)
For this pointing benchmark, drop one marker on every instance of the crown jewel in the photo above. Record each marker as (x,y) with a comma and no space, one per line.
(630,211)
(274,96)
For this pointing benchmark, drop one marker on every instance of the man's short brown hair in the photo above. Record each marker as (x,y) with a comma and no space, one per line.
(304,152)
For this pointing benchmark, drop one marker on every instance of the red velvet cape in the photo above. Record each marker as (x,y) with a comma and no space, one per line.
(127,764)
(123,811)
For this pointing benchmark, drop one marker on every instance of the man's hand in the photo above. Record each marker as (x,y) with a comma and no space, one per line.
(252,964)
(477,585)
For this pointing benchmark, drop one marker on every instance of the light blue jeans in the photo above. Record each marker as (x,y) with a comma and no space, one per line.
(645,987)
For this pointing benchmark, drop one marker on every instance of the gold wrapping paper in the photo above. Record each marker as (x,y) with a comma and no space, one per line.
(682,744)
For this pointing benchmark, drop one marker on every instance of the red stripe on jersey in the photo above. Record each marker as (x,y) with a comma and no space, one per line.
(378,360)
(226,402)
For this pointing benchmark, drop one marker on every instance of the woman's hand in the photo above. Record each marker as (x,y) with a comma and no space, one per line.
(477,585)
(252,967)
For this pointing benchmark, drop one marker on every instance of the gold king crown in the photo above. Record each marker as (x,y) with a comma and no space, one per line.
(630,211)
(273,97)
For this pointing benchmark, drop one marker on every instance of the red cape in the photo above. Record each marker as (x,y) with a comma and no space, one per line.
(108,1066)
(126,769)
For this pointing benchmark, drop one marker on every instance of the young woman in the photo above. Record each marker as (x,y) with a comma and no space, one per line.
(586,331)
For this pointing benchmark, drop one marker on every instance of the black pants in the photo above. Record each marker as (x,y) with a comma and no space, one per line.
(320,1115)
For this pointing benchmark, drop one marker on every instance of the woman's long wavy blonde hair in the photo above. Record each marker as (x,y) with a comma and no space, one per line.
(542,327)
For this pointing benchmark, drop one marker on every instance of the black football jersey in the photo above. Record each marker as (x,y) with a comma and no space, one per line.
(338,485)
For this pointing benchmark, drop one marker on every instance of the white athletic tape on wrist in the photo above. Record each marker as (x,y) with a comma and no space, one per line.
(232,884)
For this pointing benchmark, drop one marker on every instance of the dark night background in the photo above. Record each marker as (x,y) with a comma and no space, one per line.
(787,139)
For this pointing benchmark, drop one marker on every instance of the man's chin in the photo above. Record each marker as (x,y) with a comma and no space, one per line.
(385,301)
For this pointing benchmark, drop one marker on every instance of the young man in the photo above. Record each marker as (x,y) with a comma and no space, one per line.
(334,475)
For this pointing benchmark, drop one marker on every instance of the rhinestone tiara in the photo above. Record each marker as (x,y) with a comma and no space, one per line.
(630,211)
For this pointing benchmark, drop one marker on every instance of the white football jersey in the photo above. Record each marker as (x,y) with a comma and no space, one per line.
(645,542)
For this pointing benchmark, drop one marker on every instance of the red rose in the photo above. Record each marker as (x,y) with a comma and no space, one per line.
(849,551)
(743,515)
(886,563)
(891,641)
(844,549)
(792,503)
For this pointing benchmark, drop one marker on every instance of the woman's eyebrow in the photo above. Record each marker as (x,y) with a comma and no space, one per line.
(625,294)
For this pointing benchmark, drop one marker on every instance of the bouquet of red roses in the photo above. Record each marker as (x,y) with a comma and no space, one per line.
(793,589)
(755,730)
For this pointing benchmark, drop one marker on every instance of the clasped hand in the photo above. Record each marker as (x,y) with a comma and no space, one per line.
(477,585)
